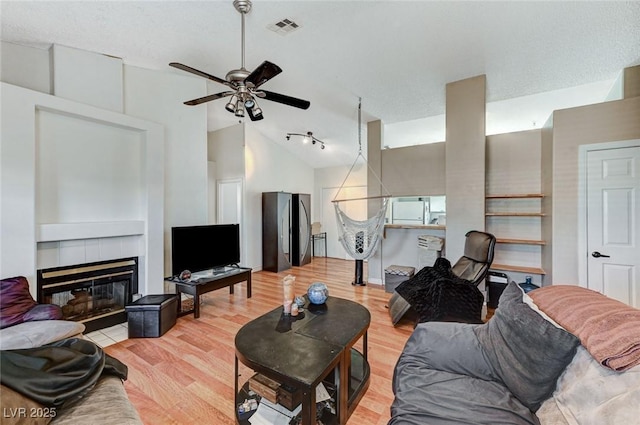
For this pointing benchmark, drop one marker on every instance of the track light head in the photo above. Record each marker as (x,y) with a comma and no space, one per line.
(239,109)
(288,137)
(231,105)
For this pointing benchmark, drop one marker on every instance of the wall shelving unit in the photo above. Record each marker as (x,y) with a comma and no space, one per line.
(516,241)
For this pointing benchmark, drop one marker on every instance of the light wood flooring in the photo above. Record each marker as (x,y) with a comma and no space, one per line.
(186,376)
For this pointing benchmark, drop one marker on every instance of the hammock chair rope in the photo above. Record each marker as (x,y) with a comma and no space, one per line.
(360,238)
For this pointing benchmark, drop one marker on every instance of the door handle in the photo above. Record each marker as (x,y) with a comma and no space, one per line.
(596,254)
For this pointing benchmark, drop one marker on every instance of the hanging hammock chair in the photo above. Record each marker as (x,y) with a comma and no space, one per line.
(360,238)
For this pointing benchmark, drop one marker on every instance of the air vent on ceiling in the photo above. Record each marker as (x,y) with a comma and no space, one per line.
(284,26)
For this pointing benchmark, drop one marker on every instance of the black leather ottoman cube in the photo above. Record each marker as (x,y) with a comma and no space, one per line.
(152,315)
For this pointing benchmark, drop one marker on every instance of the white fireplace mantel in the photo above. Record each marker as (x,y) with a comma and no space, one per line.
(53,232)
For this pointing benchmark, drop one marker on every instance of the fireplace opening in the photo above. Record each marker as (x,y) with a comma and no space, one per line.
(94,293)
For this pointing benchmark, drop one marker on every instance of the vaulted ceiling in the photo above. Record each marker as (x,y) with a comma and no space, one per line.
(396,55)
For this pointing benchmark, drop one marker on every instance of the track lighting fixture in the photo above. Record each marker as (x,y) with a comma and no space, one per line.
(238,103)
(307,138)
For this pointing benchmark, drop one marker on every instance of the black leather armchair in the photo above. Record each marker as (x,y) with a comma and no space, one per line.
(478,256)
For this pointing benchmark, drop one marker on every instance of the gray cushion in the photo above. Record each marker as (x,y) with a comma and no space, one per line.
(36,334)
(442,378)
(106,404)
(527,352)
(398,307)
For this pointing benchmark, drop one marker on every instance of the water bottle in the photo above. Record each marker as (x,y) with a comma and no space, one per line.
(528,285)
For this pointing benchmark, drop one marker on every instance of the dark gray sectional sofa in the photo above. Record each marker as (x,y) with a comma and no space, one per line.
(495,373)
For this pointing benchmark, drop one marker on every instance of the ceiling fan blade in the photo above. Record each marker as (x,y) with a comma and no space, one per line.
(263,73)
(287,100)
(208,98)
(252,116)
(200,73)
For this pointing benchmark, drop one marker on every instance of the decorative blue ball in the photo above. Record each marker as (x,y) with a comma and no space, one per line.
(317,293)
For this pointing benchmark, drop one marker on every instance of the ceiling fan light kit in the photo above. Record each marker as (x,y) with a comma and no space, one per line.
(244,84)
(309,137)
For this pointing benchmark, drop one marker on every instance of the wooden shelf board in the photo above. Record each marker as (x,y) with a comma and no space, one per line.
(520,241)
(510,268)
(514,195)
(514,214)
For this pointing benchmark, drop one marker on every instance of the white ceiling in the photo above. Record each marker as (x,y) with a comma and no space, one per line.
(396,55)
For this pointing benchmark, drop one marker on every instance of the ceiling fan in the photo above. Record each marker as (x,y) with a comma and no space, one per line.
(244,84)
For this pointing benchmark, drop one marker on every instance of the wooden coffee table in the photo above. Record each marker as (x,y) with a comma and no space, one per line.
(306,350)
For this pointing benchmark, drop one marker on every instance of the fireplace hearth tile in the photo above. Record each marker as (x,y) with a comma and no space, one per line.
(109,336)
(117,333)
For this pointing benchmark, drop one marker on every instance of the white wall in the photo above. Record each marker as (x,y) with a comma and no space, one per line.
(514,165)
(159,96)
(226,150)
(87,77)
(465,161)
(332,177)
(27,67)
(414,170)
(572,128)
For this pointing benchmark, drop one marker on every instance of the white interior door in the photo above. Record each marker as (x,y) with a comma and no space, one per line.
(354,209)
(613,223)
(229,201)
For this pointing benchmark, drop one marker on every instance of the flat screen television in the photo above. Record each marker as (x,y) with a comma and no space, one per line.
(198,248)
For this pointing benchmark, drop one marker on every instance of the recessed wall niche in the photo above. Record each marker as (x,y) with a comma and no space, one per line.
(87,171)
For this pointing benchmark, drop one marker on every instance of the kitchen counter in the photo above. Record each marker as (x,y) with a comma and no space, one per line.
(416,226)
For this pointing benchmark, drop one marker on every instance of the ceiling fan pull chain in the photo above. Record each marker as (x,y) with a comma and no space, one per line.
(359,125)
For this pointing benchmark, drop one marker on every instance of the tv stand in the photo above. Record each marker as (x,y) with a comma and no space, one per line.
(228,276)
